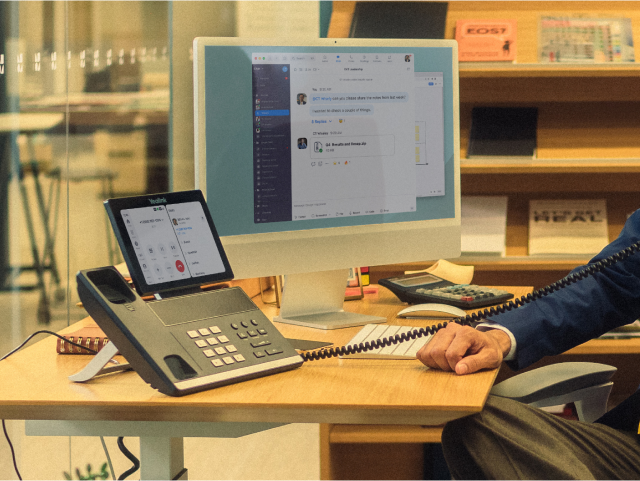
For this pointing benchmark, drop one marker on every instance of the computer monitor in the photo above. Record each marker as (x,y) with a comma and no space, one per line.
(320,155)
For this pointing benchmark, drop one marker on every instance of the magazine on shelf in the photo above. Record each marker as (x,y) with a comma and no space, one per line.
(486,40)
(585,40)
(567,226)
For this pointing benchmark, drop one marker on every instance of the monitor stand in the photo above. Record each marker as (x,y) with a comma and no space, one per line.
(316,299)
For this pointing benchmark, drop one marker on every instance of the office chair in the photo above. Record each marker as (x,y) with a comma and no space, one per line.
(586,384)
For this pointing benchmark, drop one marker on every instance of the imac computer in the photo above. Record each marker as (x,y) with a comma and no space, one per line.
(320,155)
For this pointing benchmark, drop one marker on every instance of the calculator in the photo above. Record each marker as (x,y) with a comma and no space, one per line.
(424,288)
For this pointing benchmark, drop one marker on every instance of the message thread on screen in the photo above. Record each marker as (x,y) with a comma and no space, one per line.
(344,134)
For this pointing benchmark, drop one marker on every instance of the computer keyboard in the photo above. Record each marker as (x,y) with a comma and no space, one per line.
(401,350)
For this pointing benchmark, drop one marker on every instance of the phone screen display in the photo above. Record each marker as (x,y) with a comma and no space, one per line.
(172,242)
(168,241)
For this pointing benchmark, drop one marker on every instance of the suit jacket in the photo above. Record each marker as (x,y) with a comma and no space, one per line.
(584,310)
(581,311)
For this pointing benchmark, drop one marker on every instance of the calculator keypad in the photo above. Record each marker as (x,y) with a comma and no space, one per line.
(463,292)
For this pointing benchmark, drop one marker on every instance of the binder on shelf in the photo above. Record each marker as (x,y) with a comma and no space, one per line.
(567,227)
(399,20)
(503,131)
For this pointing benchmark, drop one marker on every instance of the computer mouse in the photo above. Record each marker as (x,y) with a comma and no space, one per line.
(432,310)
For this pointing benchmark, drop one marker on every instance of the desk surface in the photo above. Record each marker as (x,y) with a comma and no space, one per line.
(34,385)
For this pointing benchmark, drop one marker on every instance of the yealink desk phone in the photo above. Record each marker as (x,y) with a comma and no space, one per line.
(187,339)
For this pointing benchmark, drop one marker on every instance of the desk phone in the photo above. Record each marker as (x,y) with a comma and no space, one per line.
(187,339)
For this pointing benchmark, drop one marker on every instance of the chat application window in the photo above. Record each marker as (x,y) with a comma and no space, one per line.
(352,124)
(172,242)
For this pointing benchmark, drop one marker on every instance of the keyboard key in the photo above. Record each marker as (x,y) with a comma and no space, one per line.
(204,331)
(260,343)
(212,341)
(209,353)
(217,362)
(239,358)
(201,343)
(259,354)
(193,334)
(242,335)
(228,360)
(221,350)
(223,339)
(232,348)
(215,330)
(273,351)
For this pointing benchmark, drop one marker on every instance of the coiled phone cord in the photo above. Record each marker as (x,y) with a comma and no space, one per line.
(476,317)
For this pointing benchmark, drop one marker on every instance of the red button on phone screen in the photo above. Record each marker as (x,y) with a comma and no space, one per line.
(180,266)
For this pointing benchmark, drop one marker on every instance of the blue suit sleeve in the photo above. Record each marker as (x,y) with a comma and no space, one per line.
(582,310)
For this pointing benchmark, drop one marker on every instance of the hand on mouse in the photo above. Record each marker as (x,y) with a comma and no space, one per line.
(465,350)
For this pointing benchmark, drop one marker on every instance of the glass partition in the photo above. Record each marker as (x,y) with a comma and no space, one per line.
(96,101)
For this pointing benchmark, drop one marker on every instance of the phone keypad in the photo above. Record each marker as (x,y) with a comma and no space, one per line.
(217,346)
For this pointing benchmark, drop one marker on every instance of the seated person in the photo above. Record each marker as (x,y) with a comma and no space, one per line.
(510,440)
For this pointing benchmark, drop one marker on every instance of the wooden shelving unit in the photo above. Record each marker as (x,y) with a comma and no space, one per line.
(588,132)
(588,147)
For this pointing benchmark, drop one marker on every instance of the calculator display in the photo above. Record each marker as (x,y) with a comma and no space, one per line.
(422,280)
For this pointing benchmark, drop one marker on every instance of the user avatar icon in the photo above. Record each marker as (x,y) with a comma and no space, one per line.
(302,143)
(302,99)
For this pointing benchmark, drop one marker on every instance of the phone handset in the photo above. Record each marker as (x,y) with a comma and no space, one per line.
(477,317)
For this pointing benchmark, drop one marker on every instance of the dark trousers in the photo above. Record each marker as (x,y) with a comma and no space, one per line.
(510,440)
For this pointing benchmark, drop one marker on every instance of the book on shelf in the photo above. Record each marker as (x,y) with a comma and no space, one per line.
(486,40)
(88,336)
(391,19)
(567,226)
(585,40)
(483,224)
(503,132)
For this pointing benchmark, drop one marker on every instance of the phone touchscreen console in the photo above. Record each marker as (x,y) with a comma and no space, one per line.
(186,339)
(168,241)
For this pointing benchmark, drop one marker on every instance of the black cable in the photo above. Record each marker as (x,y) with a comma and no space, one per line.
(476,317)
(13,453)
(132,458)
(92,351)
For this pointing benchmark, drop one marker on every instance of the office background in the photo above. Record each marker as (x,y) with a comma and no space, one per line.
(112,85)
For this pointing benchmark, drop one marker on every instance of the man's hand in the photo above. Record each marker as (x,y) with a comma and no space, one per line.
(465,350)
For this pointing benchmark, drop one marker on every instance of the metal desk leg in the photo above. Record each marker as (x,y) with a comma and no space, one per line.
(162,458)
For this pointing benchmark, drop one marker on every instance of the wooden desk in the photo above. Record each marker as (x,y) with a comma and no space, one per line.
(335,391)
(380,450)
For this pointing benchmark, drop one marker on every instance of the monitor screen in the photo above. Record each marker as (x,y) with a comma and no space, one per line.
(328,154)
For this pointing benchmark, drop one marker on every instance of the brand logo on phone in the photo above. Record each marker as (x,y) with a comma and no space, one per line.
(159,200)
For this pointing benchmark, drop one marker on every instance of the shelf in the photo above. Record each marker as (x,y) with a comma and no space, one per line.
(514,165)
(533,70)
